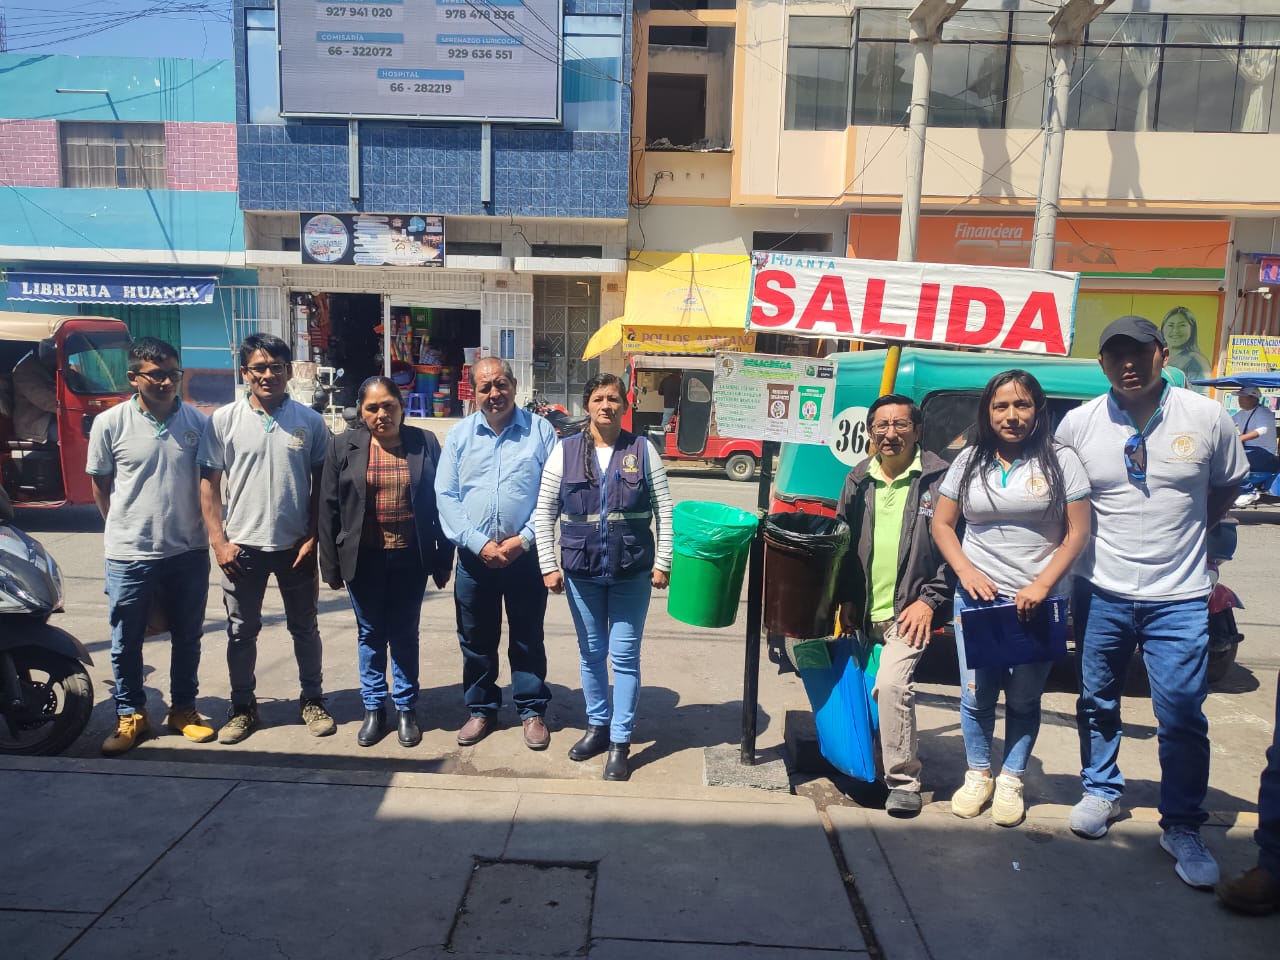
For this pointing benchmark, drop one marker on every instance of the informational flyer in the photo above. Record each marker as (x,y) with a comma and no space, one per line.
(1248,354)
(421,59)
(758,396)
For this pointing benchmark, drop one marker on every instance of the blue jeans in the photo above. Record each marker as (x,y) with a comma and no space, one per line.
(478,597)
(386,595)
(180,585)
(610,619)
(1175,648)
(980,689)
(1267,835)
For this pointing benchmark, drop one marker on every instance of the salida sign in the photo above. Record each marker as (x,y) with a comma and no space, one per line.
(993,308)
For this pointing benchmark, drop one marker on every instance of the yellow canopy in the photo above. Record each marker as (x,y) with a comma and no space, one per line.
(681,303)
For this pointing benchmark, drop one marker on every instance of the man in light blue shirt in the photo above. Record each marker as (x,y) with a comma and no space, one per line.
(486,488)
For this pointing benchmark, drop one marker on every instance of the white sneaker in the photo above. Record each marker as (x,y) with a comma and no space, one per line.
(1007,809)
(969,800)
(1092,815)
(1247,499)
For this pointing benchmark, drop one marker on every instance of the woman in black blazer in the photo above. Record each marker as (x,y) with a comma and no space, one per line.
(380,535)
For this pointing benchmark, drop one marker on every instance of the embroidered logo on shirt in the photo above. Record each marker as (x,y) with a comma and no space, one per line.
(298,439)
(190,438)
(630,463)
(1184,446)
(1037,487)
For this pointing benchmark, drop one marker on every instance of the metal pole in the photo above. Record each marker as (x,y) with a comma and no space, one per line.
(755,608)
(1043,246)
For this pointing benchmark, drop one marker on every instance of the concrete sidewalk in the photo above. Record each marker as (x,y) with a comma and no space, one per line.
(127,858)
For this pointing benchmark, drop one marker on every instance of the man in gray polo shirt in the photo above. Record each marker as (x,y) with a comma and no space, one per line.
(142,457)
(1164,465)
(271,450)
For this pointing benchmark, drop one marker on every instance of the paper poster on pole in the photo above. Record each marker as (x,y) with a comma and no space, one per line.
(991,308)
(761,397)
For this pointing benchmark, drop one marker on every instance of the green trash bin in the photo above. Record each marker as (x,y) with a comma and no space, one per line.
(712,542)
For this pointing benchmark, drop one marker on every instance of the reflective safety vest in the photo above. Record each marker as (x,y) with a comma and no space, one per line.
(606,521)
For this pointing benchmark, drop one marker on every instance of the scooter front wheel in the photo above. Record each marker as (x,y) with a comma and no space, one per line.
(56,702)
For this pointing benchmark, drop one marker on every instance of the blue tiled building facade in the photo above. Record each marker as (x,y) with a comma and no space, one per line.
(540,249)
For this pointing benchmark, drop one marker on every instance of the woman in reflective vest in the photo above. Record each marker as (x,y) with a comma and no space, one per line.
(606,485)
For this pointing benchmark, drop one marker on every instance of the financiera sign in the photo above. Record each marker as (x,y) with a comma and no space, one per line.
(995,308)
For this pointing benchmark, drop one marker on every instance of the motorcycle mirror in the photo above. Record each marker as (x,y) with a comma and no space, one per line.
(338,373)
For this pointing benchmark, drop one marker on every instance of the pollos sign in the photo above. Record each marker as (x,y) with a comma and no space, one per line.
(993,308)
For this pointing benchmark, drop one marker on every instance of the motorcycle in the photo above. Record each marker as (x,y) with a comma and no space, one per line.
(556,415)
(45,694)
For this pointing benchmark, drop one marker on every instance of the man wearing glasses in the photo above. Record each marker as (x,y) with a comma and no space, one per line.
(142,457)
(895,585)
(1164,465)
(486,489)
(272,451)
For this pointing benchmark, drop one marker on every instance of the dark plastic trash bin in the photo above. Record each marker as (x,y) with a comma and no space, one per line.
(802,556)
(709,556)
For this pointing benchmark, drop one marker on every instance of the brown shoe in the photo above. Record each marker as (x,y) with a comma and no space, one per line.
(536,734)
(476,729)
(131,729)
(1255,891)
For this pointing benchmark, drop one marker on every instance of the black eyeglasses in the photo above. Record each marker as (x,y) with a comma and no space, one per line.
(161,376)
(1135,456)
(262,369)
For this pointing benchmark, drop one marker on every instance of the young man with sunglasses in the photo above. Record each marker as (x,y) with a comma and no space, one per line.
(1164,465)
(142,457)
(895,587)
(271,450)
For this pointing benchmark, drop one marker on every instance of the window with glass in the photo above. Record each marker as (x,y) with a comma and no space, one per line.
(818,73)
(262,66)
(992,69)
(593,73)
(113,155)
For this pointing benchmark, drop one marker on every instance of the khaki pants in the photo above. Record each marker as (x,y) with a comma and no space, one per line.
(895,696)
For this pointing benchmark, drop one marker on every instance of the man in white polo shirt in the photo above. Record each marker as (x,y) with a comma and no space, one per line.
(272,450)
(1256,424)
(142,457)
(1164,465)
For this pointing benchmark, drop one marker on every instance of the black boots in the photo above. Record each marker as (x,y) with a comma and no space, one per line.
(593,743)
(409,734)
(373,729)
(618,766)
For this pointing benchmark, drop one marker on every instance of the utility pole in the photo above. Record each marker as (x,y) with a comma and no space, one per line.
(1067,26)
(926,22)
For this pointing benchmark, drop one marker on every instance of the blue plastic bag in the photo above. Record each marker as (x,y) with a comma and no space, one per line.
(839,691)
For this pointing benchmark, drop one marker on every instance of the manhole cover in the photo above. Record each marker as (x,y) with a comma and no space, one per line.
(543,907)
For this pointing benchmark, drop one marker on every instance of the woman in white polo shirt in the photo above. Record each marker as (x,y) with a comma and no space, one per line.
(1024,501)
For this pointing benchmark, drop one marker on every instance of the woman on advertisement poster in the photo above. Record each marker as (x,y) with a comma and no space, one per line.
(1181,334)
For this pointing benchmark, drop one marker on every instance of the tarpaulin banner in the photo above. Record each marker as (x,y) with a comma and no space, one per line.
(132,289)
(994,308)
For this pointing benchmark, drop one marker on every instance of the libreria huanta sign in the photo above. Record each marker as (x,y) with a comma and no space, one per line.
(994,308)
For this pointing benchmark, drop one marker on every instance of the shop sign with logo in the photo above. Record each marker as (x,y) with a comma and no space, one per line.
(1269,270)
(688,341)
(372,239)
(757,396)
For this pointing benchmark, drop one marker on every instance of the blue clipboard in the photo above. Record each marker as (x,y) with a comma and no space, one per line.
(995,637)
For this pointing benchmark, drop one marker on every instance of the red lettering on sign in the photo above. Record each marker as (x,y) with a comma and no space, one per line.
(927,312)
(1043,307)
(830,290)
(962,299)
(769,287)
(872,326)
